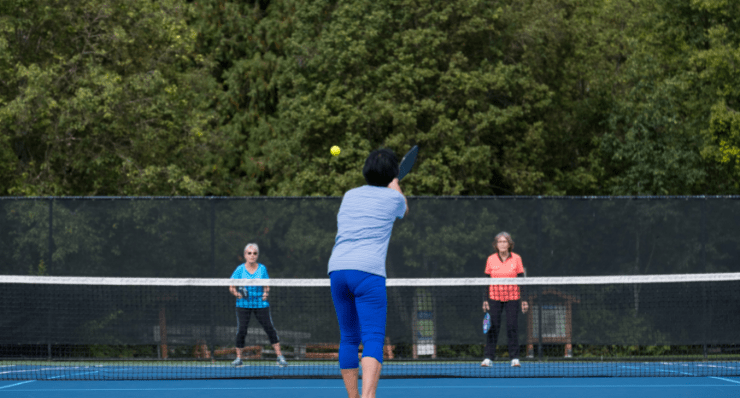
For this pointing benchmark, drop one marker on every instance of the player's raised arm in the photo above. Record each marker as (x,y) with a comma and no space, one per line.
(394,185)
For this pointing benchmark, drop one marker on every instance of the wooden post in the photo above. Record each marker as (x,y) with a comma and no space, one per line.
(568,330)
(388,349)
(163,331)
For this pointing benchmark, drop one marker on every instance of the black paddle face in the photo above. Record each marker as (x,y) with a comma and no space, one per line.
(407,162)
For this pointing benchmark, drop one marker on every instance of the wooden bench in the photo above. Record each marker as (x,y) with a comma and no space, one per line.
(198,335)
(248,352)
(331,350)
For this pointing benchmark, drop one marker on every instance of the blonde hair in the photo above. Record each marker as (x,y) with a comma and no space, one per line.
(508,239)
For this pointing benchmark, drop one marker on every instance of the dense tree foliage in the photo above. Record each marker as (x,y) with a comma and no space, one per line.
(217,97)
(671,130)
(104,98)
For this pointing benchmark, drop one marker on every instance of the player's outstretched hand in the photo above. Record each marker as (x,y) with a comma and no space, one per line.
(485,306)
(394,185)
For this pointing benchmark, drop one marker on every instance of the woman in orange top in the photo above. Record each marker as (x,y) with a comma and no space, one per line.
(503,264)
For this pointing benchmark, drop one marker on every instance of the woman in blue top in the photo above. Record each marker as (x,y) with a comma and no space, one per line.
(357,269)
(251,299)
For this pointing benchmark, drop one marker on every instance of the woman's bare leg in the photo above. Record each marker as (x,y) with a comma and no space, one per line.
(370,376)
(276,346)
(350,377)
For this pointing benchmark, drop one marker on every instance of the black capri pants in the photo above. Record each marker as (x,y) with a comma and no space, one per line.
(512,327)
(263,317)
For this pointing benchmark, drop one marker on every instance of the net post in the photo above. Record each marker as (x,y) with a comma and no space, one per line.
(702,253)
(540,212)
(211,344)
(48,268)
(163,331)
(539,328)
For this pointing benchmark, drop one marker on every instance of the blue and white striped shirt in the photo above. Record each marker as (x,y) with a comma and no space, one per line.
(364,224)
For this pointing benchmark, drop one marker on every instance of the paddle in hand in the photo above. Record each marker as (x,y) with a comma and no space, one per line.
(407,162)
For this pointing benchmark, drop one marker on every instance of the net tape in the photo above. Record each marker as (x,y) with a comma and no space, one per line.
(411,282)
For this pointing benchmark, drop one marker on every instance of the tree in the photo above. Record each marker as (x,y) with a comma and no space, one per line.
(218,97)
(677,83)
(104,98)
(723,142)
(716,67)
(246,41)
(391,73)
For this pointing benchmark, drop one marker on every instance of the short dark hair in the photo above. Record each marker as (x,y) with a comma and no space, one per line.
(381,167)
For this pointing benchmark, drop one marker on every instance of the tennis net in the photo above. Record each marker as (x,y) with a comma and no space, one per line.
(136,328)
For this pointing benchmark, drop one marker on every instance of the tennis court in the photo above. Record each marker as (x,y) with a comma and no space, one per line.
(391,388)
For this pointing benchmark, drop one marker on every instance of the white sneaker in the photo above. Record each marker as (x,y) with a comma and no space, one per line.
(281,361)
(515,363)
(486,363)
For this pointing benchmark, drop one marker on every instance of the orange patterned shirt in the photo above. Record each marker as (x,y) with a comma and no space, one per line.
(507,269)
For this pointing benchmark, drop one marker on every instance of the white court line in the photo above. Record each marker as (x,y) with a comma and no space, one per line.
(17,384)
(721,378)
(673,371)
(661,370)
(224,365)
(30,370)
(76,374)
(718,366)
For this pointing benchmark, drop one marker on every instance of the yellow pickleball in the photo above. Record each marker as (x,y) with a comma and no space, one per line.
(335,151)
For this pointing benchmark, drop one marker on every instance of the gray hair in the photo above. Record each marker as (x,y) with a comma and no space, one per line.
(252,245)
(508,238)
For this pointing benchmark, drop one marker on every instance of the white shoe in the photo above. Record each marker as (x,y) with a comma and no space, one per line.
(515,363)
(486,363)
(281,361)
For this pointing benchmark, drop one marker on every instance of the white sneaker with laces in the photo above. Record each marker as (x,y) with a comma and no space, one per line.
(486,363)
(281,361)
(515,363)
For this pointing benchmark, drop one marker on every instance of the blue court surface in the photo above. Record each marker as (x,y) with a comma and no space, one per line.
(388,388)
(267,369)
(414,379)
